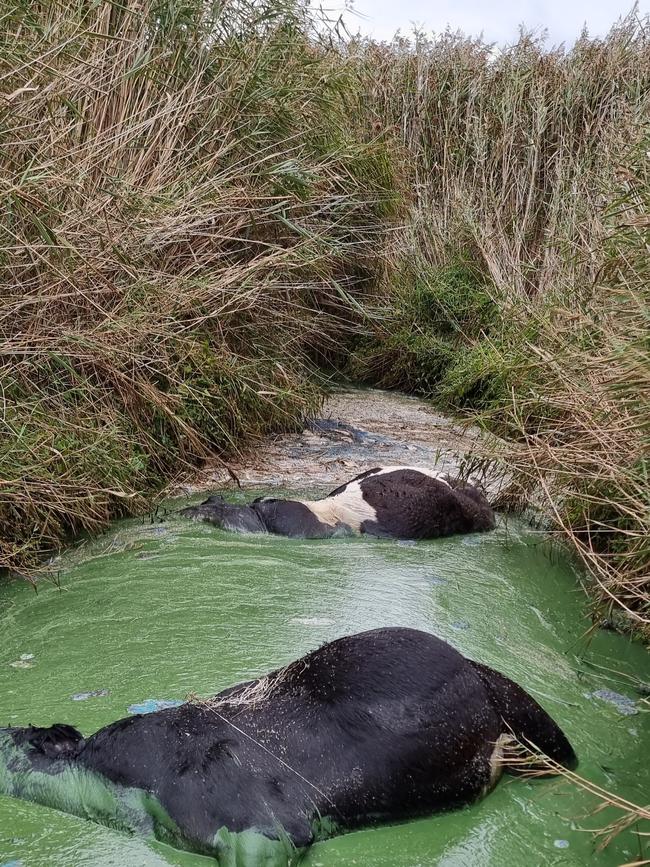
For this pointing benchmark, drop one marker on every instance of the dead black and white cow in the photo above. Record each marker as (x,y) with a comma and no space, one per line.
(370,729)
(398,502)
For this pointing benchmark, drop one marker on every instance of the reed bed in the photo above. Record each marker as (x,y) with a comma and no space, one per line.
(518,292)
(584,434)
(187,224)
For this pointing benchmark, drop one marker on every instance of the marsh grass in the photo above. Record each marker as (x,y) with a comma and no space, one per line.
(185,215)
(519,288)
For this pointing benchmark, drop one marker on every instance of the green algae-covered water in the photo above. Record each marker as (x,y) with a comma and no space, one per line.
(157,611)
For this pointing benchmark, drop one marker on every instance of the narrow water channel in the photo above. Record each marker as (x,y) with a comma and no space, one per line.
(157,611)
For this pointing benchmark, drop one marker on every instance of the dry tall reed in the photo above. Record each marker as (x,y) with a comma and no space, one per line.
(520,289)
(185,213)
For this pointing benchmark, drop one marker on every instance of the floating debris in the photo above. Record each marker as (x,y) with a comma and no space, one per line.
(436,580)
(332,428)
(625,705)
(460,624)
(311,621)
(25,660)
(561,844)
(406,543)
(93,693)
(151,705)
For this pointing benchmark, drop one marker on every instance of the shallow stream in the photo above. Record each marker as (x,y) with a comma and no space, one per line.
(154,611)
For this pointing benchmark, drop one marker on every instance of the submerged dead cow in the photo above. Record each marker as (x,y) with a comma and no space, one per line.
(373,728)
(399,502)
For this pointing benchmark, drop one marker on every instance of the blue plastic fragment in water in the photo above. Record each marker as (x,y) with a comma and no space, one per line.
(93,693)
(623,703)
(151,705)
(561,844)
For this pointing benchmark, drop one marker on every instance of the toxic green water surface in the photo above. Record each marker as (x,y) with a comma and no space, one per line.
(156,611)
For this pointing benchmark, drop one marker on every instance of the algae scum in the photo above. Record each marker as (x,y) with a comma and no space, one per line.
(151,612)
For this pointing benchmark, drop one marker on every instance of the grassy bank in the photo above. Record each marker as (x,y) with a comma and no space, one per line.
(519,292)
(185,213)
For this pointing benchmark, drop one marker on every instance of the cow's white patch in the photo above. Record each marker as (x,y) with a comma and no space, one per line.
(347,508)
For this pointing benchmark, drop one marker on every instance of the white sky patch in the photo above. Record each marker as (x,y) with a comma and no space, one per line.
(498,21)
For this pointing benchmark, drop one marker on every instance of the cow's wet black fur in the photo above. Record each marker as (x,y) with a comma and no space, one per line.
(372,728)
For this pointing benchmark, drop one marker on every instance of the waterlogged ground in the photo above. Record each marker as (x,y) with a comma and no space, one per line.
(156,611)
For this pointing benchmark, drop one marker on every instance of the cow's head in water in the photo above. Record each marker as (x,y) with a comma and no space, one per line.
(215,510)
(398,502)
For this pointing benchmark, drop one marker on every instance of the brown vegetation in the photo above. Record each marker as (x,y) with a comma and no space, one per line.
(185,214)
(519,293)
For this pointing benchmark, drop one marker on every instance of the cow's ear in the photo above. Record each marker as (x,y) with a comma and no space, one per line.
(57,741)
